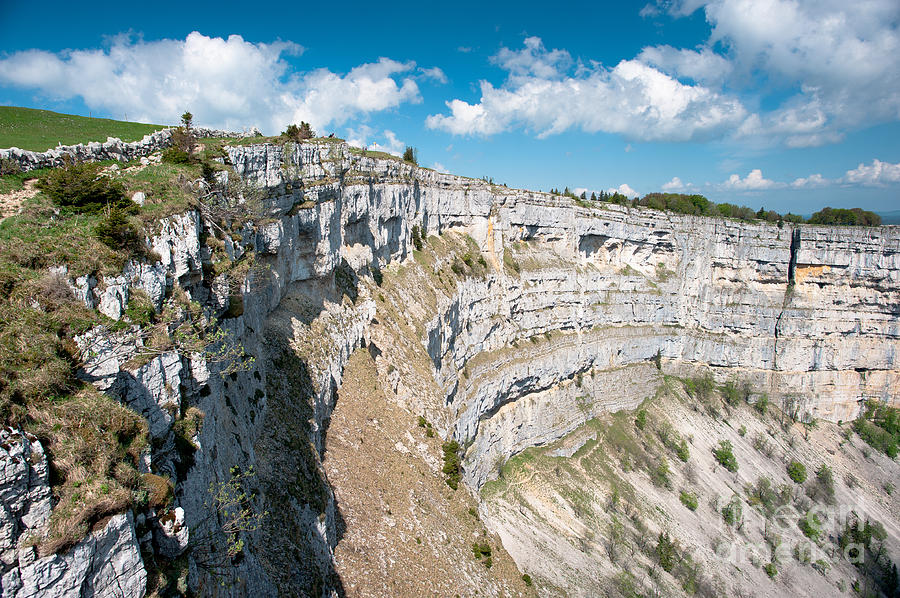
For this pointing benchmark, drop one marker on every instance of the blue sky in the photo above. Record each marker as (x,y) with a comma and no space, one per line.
(787,104)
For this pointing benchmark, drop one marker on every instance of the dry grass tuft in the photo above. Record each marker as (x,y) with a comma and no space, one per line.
(94,445)
(159,488)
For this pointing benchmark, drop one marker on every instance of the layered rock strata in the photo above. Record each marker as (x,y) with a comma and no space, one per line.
(571,313)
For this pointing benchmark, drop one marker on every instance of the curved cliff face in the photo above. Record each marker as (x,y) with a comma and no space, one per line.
(563,321)
(525,317)
(705,292)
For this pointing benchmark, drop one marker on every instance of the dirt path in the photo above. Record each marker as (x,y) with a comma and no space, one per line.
(11,203)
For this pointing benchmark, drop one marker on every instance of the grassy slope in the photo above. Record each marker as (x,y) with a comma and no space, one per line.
(91,439)
(40,130)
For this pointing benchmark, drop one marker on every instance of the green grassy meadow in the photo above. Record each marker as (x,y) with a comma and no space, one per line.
(40,130)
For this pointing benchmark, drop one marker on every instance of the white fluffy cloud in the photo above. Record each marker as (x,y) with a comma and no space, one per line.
(228,83)
(676,185)
(843,57)
(633,99)
(813,181)
(625,189)
(704,66)
(876,174)
(392,145)
(434,73)
(360,137)
(754,181)
(827,67)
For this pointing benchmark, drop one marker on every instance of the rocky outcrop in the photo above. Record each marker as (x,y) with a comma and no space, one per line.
(107,563)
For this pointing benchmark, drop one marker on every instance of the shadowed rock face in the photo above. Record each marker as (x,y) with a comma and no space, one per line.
(569,303)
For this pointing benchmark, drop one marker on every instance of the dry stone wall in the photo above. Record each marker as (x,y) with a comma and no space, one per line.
(111,149)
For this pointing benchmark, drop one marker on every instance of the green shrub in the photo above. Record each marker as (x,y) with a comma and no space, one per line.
(117,232)
(771,570)
(417,237)
(732,393)
(666,551)
(797,471)
(8,166)
(640,419)
(689,499)
(880,429)
(176,155)
(295,133)
(659,474)
(699,387)
(81,188)
(208,170)
(762,404)
(767,496)
(811,526)
(452,463)
(823,488)
(527,579)
(140,309)
(725,456)
(733,512)
(682,451)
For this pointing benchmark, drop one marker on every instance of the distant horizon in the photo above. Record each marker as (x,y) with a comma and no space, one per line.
(785,104)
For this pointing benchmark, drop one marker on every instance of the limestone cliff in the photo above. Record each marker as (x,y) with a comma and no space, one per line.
(548,303)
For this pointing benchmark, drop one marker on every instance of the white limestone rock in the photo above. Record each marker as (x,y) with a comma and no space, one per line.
(172,534)
(153,390)
(113,298)
(106,564)
(24,487)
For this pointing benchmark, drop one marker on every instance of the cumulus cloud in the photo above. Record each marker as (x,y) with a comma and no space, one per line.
(704,66)
(813,181)
(225,82)
(676,185)
(534,60)
(877,174)
(360,137)
(625,189)
(844,58)
(754,181)
(435,74)
(633,99)
(392,145)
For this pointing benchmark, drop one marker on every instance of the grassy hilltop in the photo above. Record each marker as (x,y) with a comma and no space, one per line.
(40,130)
